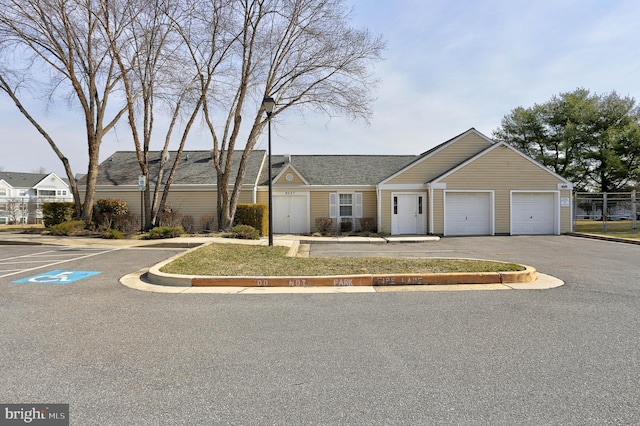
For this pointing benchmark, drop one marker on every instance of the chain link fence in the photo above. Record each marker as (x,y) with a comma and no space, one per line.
(606,212)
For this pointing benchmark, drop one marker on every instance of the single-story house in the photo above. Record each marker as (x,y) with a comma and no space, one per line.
(22,195)
(468,185)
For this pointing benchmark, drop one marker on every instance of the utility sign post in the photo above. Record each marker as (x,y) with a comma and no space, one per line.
(142,184)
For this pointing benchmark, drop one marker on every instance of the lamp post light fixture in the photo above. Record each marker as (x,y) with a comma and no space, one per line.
(269,104)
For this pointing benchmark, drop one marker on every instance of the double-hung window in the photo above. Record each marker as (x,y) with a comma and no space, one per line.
(346,205)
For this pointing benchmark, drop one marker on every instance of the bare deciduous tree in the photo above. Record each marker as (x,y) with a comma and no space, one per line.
(151,54)
(303,53)
(215,57)
(64,41)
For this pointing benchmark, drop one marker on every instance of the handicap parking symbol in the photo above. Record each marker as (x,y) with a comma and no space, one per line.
(58,276)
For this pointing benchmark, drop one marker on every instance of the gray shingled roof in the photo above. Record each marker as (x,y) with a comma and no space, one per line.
(341,169)
(195,168)
(22,180)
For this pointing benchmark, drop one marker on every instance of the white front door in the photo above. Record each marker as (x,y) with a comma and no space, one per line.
(534,213)
(467,213)
(290,214)
(408,214)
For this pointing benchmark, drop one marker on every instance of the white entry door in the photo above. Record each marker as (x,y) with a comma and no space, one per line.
(534,213)
(408,214)
(467,213)
(290,214)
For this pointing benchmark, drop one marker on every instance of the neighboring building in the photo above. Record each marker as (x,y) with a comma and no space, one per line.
(469,185)
(22,195)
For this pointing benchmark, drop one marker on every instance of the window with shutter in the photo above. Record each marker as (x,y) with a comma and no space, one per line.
(358,204)
(333,205)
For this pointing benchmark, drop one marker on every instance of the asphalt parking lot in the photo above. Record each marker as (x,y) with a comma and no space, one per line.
(121,356)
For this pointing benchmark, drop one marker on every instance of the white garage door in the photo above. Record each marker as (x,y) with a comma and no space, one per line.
(290,214)
(467,213)
(533,213)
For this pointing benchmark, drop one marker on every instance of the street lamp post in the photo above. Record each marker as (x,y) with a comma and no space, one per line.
(269,104)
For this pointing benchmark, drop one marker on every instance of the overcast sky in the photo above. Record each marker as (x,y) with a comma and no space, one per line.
(448,66)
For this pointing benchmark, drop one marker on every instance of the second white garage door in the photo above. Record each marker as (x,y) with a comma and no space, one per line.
(467,213)
(534,213)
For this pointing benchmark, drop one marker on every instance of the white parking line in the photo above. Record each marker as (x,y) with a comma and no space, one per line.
(28,255)
(55,263)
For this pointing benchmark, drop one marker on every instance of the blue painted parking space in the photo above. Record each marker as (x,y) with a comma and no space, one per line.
(59,276)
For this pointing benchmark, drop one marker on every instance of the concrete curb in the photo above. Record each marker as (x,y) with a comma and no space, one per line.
(526,276)
(604,238)
(155,276)
(138,281)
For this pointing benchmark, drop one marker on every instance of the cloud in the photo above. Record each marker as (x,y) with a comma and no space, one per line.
(449,66)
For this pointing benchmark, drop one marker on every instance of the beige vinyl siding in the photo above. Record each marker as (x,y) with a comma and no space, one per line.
(246,197)
(320,205)
(438,212)
(190,203)
(566,213)
(501,170)
(369,205)
(385,206)
(443,160)
(132,198)
(297,180)
(262,197)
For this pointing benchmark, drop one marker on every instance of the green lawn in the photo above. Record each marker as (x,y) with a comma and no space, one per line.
(244,260)
(617,228)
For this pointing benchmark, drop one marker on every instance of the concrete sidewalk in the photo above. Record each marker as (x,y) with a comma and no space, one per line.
(15,238)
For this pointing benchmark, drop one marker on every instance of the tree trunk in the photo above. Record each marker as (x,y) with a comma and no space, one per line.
(92,177)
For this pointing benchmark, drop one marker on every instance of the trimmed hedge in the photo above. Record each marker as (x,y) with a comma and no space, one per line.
(245,232)
(111,213)
(165,232)
(113,206)
(73,227)
(113,234)
(254,215)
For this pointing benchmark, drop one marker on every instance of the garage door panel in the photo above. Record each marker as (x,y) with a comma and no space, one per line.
(533,213)
(468,213)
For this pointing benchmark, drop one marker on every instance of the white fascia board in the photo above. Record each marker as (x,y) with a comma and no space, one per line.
(330,188)
(437,185)
(263,164)
(401,186)
(43,184)
(134,188)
